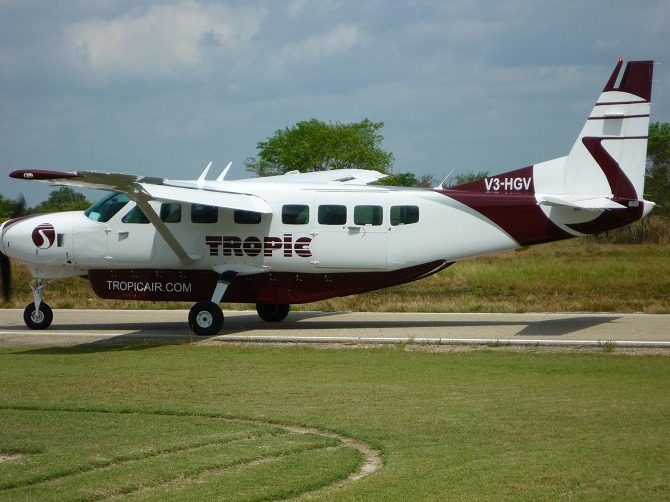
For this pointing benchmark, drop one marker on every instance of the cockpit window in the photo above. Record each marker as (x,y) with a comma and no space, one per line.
(105,209)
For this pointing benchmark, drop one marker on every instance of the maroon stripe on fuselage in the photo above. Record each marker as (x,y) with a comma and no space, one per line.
(287,287)
(13,221)
(518,215)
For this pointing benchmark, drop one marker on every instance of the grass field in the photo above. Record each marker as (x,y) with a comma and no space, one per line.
(199,421)
(570,276)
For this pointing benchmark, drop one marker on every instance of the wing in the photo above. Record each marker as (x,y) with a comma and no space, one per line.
(149,188)
(349,176)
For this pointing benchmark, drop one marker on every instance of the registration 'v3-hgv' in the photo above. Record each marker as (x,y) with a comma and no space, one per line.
(299,238)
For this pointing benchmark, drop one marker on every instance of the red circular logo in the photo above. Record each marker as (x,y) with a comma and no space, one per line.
(44,235)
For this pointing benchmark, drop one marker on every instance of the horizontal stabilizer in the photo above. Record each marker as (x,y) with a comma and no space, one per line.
(580,202)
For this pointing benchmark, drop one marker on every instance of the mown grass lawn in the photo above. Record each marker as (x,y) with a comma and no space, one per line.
(477,425)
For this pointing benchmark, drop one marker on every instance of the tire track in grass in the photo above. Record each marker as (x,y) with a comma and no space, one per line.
(371,457)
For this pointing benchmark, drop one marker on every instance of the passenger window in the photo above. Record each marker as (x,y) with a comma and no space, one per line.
(135,215)
(170,212)
(105,209)
(368,215)
(332,214)
(295,214)
(200,213)
(246,217)
(404,215)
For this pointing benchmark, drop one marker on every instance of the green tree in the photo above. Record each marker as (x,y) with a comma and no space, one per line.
(63,199)
(318,146)
(407,180)
(467,177)
(6,208)
(657,184)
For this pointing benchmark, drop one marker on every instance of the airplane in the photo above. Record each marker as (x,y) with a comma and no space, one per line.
(302,237)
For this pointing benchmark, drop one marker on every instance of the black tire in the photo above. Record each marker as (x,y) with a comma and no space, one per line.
(205,318)
(272,312)
(38,319)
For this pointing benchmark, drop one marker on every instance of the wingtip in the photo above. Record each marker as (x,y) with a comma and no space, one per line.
(41,175)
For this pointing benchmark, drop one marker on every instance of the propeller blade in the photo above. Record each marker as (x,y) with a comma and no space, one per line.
(6,273)
(19,206)
(19,209)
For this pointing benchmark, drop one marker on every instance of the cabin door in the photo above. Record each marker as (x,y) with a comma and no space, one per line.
(350,230)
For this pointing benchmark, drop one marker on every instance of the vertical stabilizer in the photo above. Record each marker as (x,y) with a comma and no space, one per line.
(609,157)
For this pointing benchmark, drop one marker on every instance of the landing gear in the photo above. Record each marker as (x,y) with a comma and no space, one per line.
(38,317)
(205,318)
(272,312)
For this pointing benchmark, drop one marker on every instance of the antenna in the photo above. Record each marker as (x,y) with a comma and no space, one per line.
(224,172)
(441,185)
(201,179)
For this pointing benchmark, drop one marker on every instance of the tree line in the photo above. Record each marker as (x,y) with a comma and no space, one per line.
(63,199)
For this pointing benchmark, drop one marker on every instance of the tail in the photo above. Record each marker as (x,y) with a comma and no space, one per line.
(609,157)
(605,168)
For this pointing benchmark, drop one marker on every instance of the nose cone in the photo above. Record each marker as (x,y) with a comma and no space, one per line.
(29,239)
(8,230)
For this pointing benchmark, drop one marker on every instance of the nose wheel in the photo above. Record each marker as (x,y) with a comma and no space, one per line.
(38,315)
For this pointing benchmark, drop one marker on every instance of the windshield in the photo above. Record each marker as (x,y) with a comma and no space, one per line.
(106,208)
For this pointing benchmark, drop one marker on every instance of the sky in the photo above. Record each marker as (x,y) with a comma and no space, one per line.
(160,88)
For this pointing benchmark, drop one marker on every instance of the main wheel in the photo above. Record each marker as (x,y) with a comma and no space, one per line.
(272,312)
(38,319)
(205,318)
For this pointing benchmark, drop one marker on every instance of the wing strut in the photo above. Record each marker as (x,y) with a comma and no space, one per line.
(142,200)
(222,285)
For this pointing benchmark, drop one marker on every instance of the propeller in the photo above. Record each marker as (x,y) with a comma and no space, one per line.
(5,266)
(6,272)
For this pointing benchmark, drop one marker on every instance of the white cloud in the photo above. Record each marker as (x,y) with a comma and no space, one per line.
(185,41)
(296,7)
(338,40)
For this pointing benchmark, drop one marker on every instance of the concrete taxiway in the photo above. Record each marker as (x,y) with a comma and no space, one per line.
(128,327)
